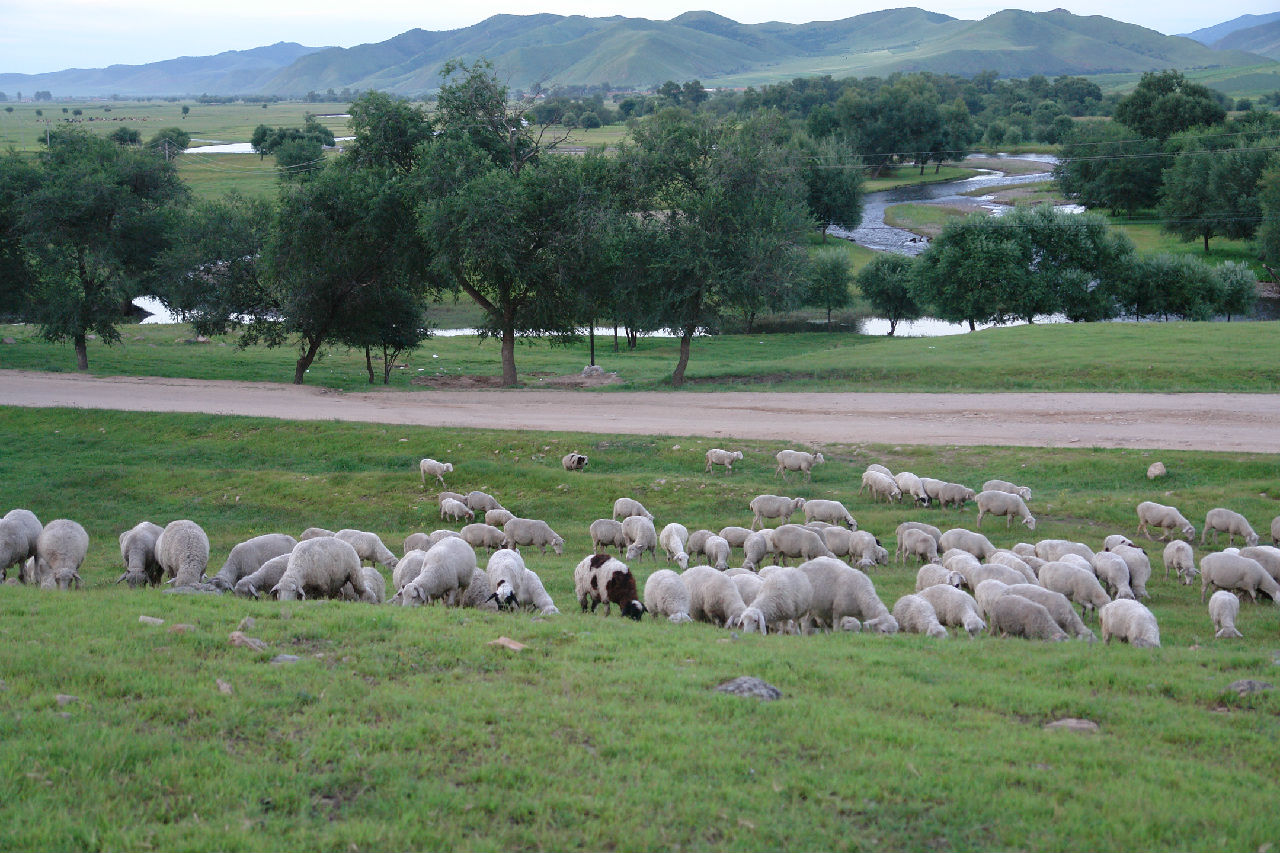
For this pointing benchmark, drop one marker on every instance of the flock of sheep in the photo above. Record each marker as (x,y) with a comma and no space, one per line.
(1031,590)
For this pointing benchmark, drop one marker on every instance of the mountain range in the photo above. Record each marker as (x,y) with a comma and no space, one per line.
(619,51)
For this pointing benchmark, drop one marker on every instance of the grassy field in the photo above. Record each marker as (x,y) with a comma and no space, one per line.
(909,176)
(1162,357)
(926,220)
(403,728)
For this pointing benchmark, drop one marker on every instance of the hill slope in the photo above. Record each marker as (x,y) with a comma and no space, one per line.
(1214,34)
(1263,40)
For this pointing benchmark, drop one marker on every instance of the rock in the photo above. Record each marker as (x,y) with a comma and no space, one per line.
(593,370)
(752,688)
(150,620)
(181,628)
(1248,685)
(1157,469)
(1073,724)
(10,341)
(223,687)
(64,699)
(238,638)
(3,686)
(507,642)
(246,624)
(279,659)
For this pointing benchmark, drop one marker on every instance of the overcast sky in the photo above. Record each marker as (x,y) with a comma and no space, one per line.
(50,35)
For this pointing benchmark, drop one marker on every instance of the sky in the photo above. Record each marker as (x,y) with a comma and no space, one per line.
(51,35)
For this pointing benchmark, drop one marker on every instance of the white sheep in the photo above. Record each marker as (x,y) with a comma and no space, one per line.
(785,598)
(1113,571)
(314,533)
(716,550)
(910,484)
(416,542)
(446,572)
(843,593)
(1131,622)
(665,594)
(717,456)
(957,560)
(994,502)
(672,539)
(19,530)
(439,535)
(1055,549)
(446,495)
(756,548)
(534,532)
(455,510)
(408,567)
(1115,540)
(734,535)
(881,486)
(375,587)
(916,615)
(1139,568)
(832,512)
(60,550)
(918,544)
(498,517)
(792,540)
(534,595)
(640,536)
(430,467)
(1079,585)
(1223,609)
(479,594)
(796,460)
(1005,486)
(1266,556)
(974,575)
(713,596)
(481,501)
(1015,616)
(248,556)
(932,574)
(954,608)
(267,576)
(574,461)
(1013,561)
(953,494)
(182,550)
(773,506)
(839,541)
(986,593)
(483,536)
(1275,531)
(607,533)
(1231,523)
(320,568)
(1058,605)
(626,507)
(1181,560)
(748,584)
(879,469)
(1231,571)
(966,540)
(697,541)
(138,550)
(920,525)
(865,550)
(1167,518)
(368,546)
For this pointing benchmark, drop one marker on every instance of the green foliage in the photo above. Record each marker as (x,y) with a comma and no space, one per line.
(972,272)
(886,284)
(1173,286)
(829,280)
(169,142)
(126,136)
(1207,192)
(299,159)
(1104,166)
(1165,103)
(832,174)
(1269,225)
(387,131)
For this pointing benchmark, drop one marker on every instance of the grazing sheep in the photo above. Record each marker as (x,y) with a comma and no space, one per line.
(1167,518)
(415,542)
(716,550)
(865,550)
(994,502)
(432,468)
(910,484)
(1231,523)
(916,615)
(601,578)
(1130,622)
(748,584)
(713,596)
(839,541)
(1225,570)
(483,536)
(953,494)
(880,469)
(640,537)
(267,576)
(182,550)
(1058,605)
(247,557)
(320,568)
(843,593)
(986,593)
(1114,572)
(1139,568)
(455,510)
(1079,585)
(1115,540)
(1181,559)
(481,502)
(773,506)
(314,533)
(1018,564)
(716,456)
(60,549)
(974,575)
(436,536)
(785,598)
(932,574)
(665,594)
(1005,486)
(532,531)
(1275,531)
(408,567)
(954,608)
(697,542)
(498,517)
(735,536)
(920,525)
(626,507)
(374,583)
(479,594)
(1015,616)
(19,530)
(1266,556)
(881,486)
(506,574)
(959,561)
(573,461)
(138,550)
(832,512)
(1050,550)
(444,496)
(672,539)
(755,549)
(368,546)
(446,572)
(792,540)
(1223,609)
(918,544)
(607,533)
(796,460)
(534,595)
(966,540)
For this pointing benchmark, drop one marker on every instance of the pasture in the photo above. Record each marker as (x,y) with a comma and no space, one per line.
(403,728)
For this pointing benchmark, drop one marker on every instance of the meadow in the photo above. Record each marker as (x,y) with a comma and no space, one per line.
(404,728)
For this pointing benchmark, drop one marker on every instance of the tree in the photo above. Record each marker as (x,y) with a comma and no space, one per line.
(186,110)
(19,177)
(1268,235)
(832,175)
(387,131)
(1210,193)
(169,142)
(1179,286)
(298,159)
(1103,166)
(829,282)
(885,282)
(125,136)
(1239,289)
(972,272)
(1165,103)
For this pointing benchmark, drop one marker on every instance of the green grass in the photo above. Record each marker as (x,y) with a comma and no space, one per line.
(923,219)
(1150,238)
(909,176)
(403,729)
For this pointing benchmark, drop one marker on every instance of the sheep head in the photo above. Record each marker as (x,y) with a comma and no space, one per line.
(287,590)
(67,579)
(752,620)
(1030,522)
(504,595)
(557,545)
(634,610)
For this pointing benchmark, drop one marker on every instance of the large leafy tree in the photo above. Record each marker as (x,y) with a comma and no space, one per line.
(1103,165)
(388,131)
(1211,193)
(1165,103)
(885,282)
(973,272)
(832,176)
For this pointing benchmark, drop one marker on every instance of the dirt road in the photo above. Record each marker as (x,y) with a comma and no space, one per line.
(1234,422)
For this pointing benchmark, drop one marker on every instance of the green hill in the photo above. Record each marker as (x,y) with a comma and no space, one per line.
(1263,40)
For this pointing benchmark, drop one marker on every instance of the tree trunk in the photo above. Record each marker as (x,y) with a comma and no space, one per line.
(304,361)
(937,168)
(677,376)
(615,336)
(388,359)
(824,232)
(1206,244)
(591,336)
(508,355)
(893,325)
(972,326)
(368,362)
(82,351)
(828,318)
(922,165)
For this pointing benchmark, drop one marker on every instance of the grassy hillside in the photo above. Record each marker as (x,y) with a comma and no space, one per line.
(1263,39)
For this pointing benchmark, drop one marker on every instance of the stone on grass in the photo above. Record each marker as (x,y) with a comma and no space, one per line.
(181,628)
(507,642)
(150,620)
(1157,469)
(278,659)
(752,688)
(64,699)
(223,687)
(1073,724)
(238,638)
(1249,685)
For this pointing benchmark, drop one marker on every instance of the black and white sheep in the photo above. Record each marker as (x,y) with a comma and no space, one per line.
(574,461)
(910,484)
(600,578)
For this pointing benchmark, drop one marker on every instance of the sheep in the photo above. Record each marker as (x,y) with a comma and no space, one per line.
(932,574)
(832,512)
(755,549)
(1058,605)
(1231,523)
(918,544)
(713,596)
(1013,561)
(716,456)
(534,595)
(748,584)
(483,536)
(532,531)
(1054,549)
(880,469)
(796,460)
(1004,503)
(865,550)
(672,539)
(966,540)
(481,502)
(573,461)
(954,494)
(1139,568)
(446,572)
(1266,556)
(314,533)
(444,496)
(430,467)
(19,530)
(735,536)
(773,506)
(408,567)
(416,542)
(625,507)
(1024,549)
(320,567)
(1275,531)
(601,578)
(785,598)
(839,541)
(247,557)
(1115,540)
(640,536)
(916,615)
(60,549)
(956,560)
(455,510)
(974,575)
(1167,518)
(1131,622)
(138,550)
(498,517)
(843,593)
(182,550)
(716,550)
(954,607)
(1005,486)
(881,486)
(1114,574)
(267,576)
(792,540)
(368,546)
(1077,584)
(1181,559)
(697,542)
(479,594)
(909,484)
(665,594)
(439,535)
(1223,609)
(607,533)
(1234,572)
(1015,616)
(375,586)
(986,593)
(506,574)
(920,525)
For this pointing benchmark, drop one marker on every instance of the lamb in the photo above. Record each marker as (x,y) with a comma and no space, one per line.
(447,570)
(881,486)
(1231,523)
(1114,572)
(716,550)
(532,531)
(672,539)
(1054,549)
(573,461)
(601,578)
(1131,622)
(865,550)
(966,540)
(1234,572)
(932,574)
(320,568)
(481,502)
(368,546)
(918,544)
(716,456)
(626,507)
(919,525)
(247,557)
(19,530)
(735,536)
(430,467)
(607,533)
(1005,486)
(314,533)
(992,502)
(182,550)
(1075,583)
(456,510)
(792,540)
(796,460)
(755,549)
(665,594)
(785,598)
(506,574)
(375,585)
(60,550)
(916,615)
(483,536)
(910,484)
(640,536)
(534,595)
(1058,605)
(1015,616)
(443,496)
(1181,559)
(267,576)
(1139,568)
(138,550)
(748,584)
(1223,609)
(1266,556)
(832,512)
(1167,518)
(842,593)
(954,607)
(498,517)
(773,506)
(954,494)
(713,596)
